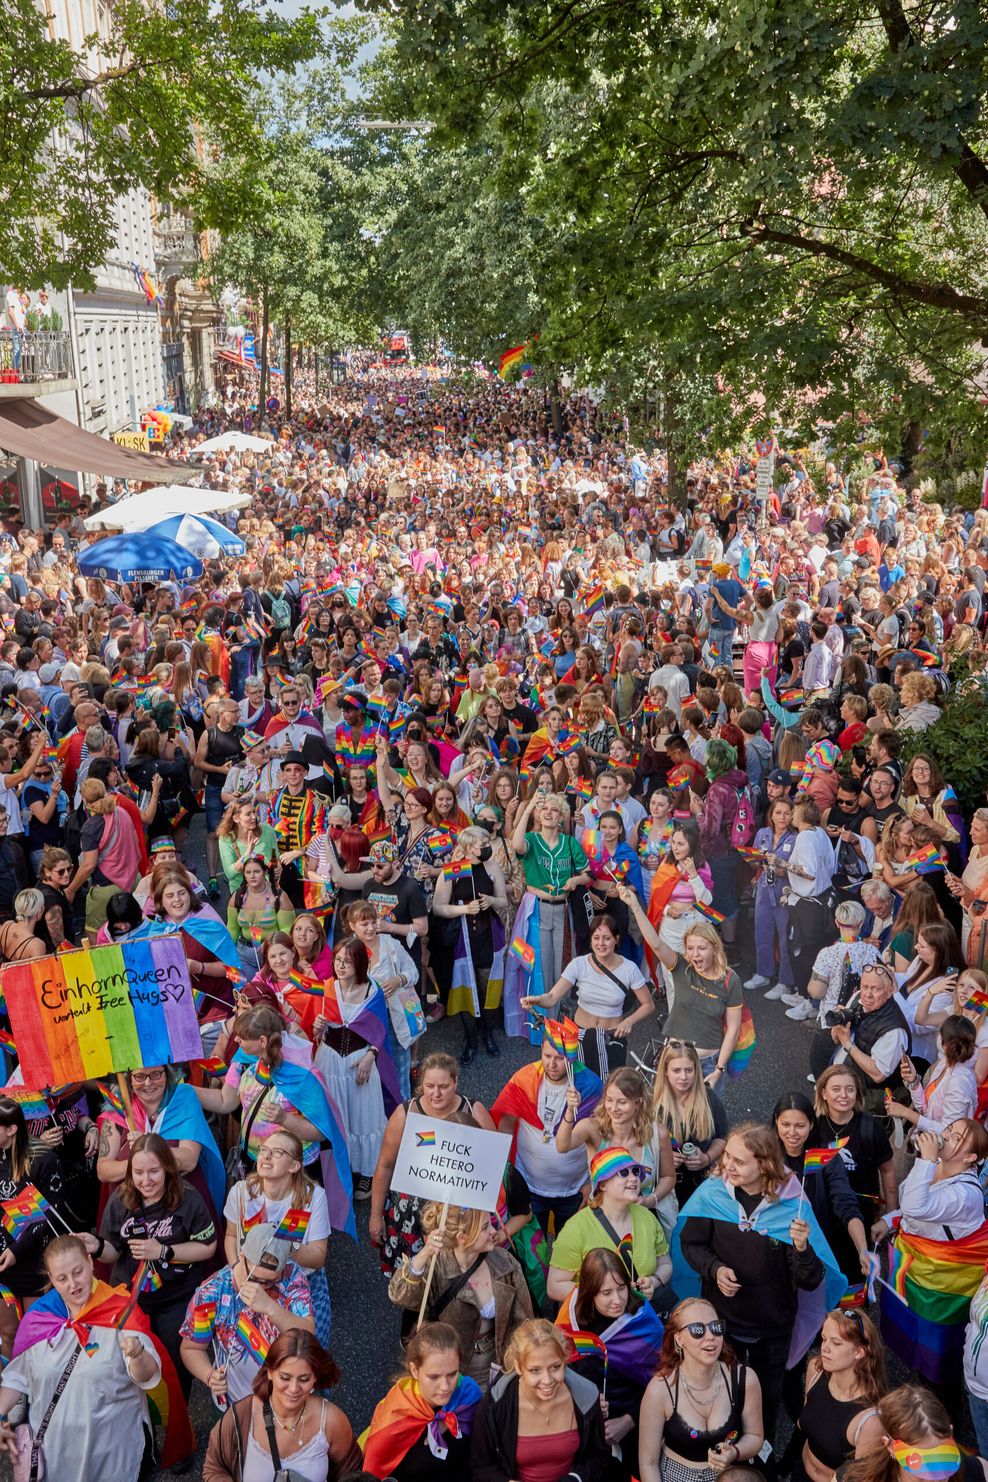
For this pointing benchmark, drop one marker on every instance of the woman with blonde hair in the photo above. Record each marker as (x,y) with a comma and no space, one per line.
(539,1419)
(971,889)
(706,1011)
(478,1288)
(692,1113)
(753,1282)
(19,939)
(623,1118)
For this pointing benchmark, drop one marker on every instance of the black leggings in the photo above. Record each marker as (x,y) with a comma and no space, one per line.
(165,1325)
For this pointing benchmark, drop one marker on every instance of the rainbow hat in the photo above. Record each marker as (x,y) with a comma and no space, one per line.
(611,1161)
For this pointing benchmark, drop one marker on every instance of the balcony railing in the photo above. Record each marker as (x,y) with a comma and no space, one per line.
(35,355)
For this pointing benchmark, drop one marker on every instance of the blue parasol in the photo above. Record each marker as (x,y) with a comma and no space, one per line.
(139,556)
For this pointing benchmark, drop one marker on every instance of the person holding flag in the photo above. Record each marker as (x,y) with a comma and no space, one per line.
(530,1108)
(420,1431)
(471,897)
(602,981)
(626,1337)
(825,1184)
(771,1293)
(614,1219)
(98,1337)
(280,1193)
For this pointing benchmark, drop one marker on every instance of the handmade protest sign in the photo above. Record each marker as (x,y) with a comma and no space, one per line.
(450,1163)
(89,1013)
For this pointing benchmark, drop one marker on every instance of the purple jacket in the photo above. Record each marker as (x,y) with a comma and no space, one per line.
(719,808)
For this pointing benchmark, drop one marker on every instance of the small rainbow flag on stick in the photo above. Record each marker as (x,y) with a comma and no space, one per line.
(815,1159)
(978,1001)
(252,1339)
(524,953)
(679,778)
(32,1103)
(587,1344)
(709,913)
(293,1225)
(456,868)
(925,860)
(592,600)
(29,1208)
(203,1321)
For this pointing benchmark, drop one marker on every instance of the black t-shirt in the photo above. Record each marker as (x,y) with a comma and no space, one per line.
(190,1221)
(38,833)
(399,902)
(524,719)
(867,1149)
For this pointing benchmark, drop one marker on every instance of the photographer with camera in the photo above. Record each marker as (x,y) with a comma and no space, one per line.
(836,977)
(872,1034)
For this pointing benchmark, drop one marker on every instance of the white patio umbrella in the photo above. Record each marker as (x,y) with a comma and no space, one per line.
(139,511)
(240,442)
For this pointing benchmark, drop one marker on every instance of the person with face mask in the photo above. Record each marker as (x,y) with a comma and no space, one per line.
(470,897)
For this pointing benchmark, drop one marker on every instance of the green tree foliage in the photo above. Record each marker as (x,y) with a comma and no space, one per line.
(172,88)
(799,195)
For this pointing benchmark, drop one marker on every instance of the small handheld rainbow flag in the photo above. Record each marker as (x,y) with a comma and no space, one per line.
(29,1208)
(592,600)
(815,1159)
(440,840)
(525,954)
(582,788)
(252,1339)
(753,856)
(679,778)
(9,1300)
(203,1321)
(235,976)
(792,696)
(709,913)
(216,1066)
(587,1344)
(855,1296)
(150,1280)
(978,1001)
(926,860)
(293,1225)
(34,1106)
(455,868)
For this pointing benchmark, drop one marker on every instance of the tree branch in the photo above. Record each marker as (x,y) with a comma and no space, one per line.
(936,295)
(78,87)
(970,169)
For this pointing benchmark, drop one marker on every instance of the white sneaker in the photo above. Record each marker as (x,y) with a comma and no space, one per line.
(757,982)
(777,991)
(802,1010)
(792,998)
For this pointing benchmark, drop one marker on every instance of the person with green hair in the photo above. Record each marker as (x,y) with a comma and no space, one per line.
(716,814)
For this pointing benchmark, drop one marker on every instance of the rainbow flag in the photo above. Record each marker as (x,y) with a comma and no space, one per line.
(932,1462)
(203,1321)
(236,976)
(150,1280)
(525,954)
(511,358)
(305,985)
(293,1225)
(9,1300)
(439,841)
(29,1208)
(753,856)
(252,1339)
(926,860)
(929,661)
(586,1344)
(568,743)
(7,1039)
(924,1315)
(679,778)
(457,867)
(709,913)
(592,600)
(745,1047)
(816,1159)
(377,709)
(564,1037)
(216,1066)
(855,1296)
(581,788)
(792,697)
(34,1106)
(978,1001)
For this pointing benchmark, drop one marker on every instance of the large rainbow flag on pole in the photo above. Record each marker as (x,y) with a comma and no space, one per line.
(924,1307)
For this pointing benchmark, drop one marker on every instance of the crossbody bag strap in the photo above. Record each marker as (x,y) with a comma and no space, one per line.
(252,1118)
(612,1234)
(267,1415)
(39,1434)
(607,973)
(454,1288)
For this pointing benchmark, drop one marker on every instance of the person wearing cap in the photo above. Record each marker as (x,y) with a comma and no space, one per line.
(613,1215)
(399,901)
(258,776)
(264,1286)
(162,851)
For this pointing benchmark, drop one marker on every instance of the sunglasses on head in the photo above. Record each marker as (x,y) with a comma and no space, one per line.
(697,1329)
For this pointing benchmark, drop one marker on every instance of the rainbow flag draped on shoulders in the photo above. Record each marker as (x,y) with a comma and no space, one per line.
(632,1341)
(924,1317)
(114,1307)
(714,1200)
(403,1415)
(520,1097)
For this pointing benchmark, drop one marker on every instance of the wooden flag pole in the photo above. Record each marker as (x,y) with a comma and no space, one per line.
(432,1269)
(125,1098)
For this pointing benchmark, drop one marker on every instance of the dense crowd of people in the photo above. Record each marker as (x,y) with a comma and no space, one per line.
(484,726)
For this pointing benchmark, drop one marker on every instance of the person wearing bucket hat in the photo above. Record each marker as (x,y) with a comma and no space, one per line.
(819,780)
(614,1219)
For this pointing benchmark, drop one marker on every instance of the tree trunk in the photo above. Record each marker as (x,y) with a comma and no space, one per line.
(912,437)
(670,431)
(556,409)
(288,366)
(262,393)
(316,357)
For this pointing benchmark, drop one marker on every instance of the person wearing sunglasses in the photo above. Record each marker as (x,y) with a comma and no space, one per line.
(702,1411)
(613,1217)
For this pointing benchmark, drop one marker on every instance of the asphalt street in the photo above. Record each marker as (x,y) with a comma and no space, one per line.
(364,1336)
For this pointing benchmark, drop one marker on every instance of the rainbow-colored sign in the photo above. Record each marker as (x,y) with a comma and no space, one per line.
(80,1015)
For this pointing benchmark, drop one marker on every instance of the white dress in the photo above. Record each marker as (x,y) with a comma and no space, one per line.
(97,1428)
(361,1107)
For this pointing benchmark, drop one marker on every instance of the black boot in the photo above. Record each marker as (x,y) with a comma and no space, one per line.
(490,1043)
(469,1051)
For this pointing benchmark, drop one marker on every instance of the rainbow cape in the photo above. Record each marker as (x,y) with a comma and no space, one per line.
(112,1307)
(923,1320)
(403,1415)
(632,1340)
(714,1200)
(520,1097)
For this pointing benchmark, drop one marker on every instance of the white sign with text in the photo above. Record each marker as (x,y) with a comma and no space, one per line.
(449,1163)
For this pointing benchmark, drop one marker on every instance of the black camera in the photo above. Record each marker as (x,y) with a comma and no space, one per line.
(852,1016)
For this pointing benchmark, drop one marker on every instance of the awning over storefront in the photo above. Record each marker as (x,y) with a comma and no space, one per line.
(31,430)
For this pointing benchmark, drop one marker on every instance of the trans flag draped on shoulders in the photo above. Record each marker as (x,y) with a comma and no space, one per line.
(714,1200)
(182,1119)
(303,1090)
